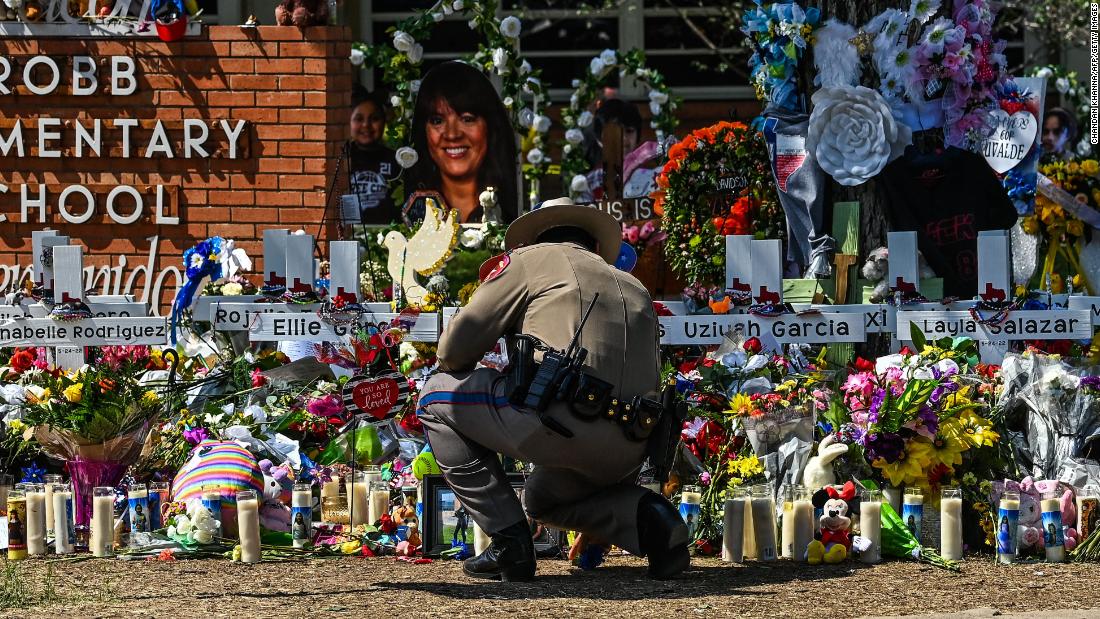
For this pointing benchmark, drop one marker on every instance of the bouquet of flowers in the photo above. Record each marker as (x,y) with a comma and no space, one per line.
(192,524)
(915,414)
(779,34)
(643,235)
(1062,231)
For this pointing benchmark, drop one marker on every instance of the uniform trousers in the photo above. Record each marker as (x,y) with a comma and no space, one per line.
(585,483)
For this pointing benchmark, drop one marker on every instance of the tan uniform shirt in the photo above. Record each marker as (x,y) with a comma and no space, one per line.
(543,292)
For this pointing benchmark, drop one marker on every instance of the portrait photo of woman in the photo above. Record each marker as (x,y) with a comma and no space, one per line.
(465,143)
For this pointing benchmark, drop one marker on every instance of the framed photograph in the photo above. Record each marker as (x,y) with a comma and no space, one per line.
(445,521)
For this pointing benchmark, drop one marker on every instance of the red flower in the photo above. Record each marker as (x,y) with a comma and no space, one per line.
(386,524)
(107,384)
(709,363)
(258,378)
(22,361)
(753,345)
(863,365)
(905,350)
(688,366)
(661,309)
(412,425)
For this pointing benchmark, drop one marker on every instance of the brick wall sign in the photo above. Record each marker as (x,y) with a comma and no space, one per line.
(137,149)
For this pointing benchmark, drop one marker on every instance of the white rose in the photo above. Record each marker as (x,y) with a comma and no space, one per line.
(585,119)
(579,184)
(414,86)
(574,136)
(597,67)
(853,135)
(403,41)
(447,10)
(574,100)
(524,68)
(407,157)
(508,102)
(232,289)
(471,238)
(416,53)
(395,101)
(542,123)
(576,83)
(531,82)
(472,24)
(658,97)
(526,117)
(458,5)
(535,156)
(357,57)
(1061,84)
(511,27)
(639,72)
(609,58)
(437,17)
(500,60)
(654,108)
(1045,72)
(568,148)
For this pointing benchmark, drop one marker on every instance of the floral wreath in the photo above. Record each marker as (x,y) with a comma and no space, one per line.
(576,117)
(498,53)
(695,247)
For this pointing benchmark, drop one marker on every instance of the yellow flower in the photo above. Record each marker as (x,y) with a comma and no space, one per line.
(948,447)
(16,426)
(973,430)
(150,398)
(910,468)
(1090,167)
(74,393)
(741,405)
(1072,167)
(1076,227)
(349,548)
(1030,224)
(786,386)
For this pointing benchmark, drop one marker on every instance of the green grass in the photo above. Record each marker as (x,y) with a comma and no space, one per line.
(19,590)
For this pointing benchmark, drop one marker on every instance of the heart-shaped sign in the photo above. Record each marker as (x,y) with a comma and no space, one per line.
(381,396)
(1011,140)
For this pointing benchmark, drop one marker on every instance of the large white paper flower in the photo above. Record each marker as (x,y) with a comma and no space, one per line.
(357,57)
(541,123)
(608,57)
(535,156)
(853,135)
(500,60)
(407,157)
(511,26)
(597,67)
(579,184)
(585,119)
(403,41)
(416,54)
(574,136)
(658,97)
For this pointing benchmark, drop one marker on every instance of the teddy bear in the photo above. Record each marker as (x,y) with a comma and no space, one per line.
(302,13)
(277,489)
(877,267)
(1029,536)
(834,541)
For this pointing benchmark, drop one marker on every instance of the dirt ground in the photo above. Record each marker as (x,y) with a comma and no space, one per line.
(382,587)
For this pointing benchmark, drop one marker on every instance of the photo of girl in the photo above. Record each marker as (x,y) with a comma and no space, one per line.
(465,143)
(372,169)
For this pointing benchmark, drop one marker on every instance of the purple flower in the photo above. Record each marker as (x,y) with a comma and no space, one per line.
(944,389)
(704,479)
(1090,382)
(195,435)
(876,405)
(886,445)
(929,419)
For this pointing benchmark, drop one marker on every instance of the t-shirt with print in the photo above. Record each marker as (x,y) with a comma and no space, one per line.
(947,198)
(372,170)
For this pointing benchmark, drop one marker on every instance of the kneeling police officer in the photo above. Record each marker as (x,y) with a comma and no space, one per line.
(577,400)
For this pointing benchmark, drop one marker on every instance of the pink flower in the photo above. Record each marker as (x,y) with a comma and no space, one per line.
(648,228)
(1029,537)
(258,378)
(326,407)
(630,234)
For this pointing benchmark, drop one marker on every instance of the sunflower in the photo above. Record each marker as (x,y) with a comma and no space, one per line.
(740,405)
(910,468)
(974,430)
(947,447)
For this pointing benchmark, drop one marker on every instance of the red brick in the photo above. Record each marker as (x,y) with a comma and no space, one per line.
(315,166)
(269,164)
(302,181)
(310,116)
(316,99)
(281,66)
(279,132)
(279,99)
(244,231)
(278,198)
(253,82)
(256,115)
(201,213)
(314,66)
(299,215)
(305,50)
(253,214)
(254,181)
(302,149)
(231,197)
(248,48)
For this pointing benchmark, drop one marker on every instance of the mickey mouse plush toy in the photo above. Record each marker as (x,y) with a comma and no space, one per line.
(833,542)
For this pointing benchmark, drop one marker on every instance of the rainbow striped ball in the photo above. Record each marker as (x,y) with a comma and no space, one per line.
(221,465)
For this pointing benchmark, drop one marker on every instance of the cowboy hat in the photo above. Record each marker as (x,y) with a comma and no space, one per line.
(563,212)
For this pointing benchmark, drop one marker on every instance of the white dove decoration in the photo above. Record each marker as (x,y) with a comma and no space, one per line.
(425,253)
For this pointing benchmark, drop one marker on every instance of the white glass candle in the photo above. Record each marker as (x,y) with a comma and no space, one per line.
(733,528)
(951,527)
(301,515)
(379,500)
(64,530)
(763,522)
(803,514)
(36,519)
(373,473)
(481,540)
(248,525)
(786,538)
(748,535)
(49,487)
(1008,519)
(1053,540)
(912,511)
(358,504)
(331,487)
(870,525)
(102,533)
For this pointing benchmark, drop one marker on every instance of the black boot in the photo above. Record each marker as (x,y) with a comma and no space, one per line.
(663,536)
(511,556)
